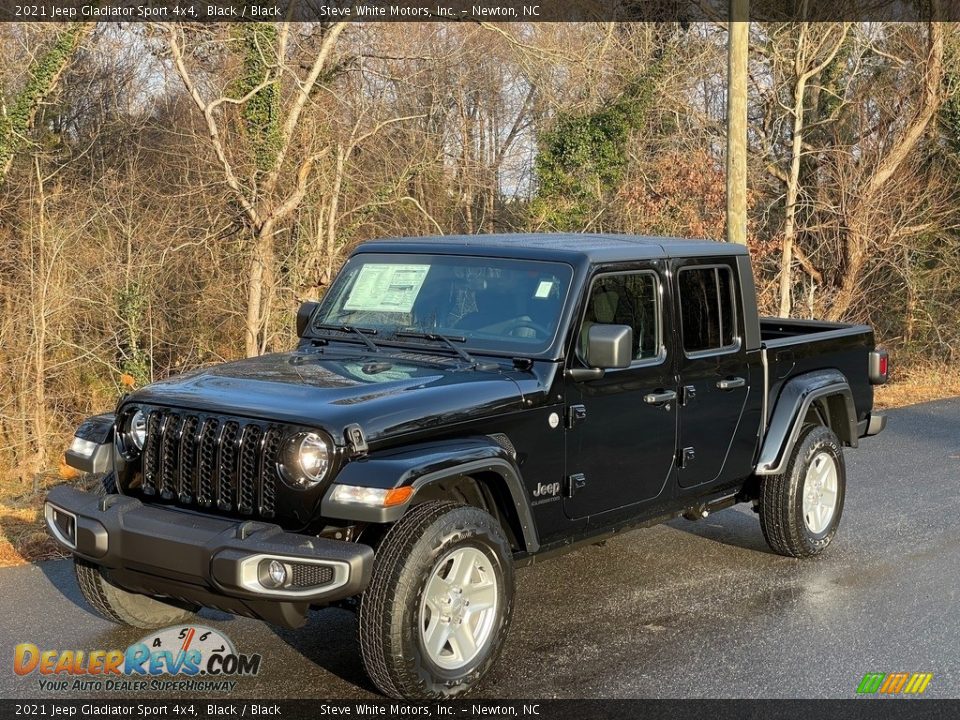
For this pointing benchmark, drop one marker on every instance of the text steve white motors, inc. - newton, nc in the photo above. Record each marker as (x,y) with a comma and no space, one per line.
(386,12)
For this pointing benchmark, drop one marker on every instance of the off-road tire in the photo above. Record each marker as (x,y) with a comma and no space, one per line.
(389,637)
(781,497)
(124,607)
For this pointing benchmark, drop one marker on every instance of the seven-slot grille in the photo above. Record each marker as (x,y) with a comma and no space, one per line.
(223,462)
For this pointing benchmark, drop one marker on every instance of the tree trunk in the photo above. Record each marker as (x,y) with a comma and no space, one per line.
(739,37)
(911,298)
(41,282)
(793,191)
(256,284)
(855,258)
(333,213)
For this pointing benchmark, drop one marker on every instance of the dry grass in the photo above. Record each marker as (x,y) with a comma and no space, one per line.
(23,538)
(918,384)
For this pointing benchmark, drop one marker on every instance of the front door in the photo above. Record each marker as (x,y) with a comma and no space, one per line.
(713,369)
(622,428)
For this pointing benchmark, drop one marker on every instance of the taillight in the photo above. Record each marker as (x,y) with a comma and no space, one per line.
(879,367)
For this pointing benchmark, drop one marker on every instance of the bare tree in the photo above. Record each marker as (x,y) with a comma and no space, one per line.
(264,203)
(806,49)
(865,205)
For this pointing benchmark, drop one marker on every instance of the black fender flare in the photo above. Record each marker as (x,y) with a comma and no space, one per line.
(422,464)
(796,397)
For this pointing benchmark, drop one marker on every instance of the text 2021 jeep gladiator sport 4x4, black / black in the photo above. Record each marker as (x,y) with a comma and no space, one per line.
(458,406)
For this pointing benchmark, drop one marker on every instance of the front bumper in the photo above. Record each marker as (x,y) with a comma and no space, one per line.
(205,560)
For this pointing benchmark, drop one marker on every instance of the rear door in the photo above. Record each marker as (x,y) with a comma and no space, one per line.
(713,367)
(621,439)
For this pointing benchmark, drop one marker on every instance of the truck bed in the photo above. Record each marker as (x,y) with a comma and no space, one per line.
(776,331)
(793,347)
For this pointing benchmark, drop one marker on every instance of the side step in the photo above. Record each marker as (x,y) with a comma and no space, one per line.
(703,510)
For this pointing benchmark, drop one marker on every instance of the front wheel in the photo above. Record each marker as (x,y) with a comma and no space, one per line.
(439,604)
(800,509)
(125,607)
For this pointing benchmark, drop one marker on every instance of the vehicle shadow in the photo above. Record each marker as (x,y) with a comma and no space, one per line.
(734,527)
(329,641)
(60,574)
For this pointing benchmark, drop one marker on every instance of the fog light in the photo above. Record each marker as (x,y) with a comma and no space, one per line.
(273,574)
(278,573)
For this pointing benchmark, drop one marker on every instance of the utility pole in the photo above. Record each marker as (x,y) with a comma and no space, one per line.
(738,27)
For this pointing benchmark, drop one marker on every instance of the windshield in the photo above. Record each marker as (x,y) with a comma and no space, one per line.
(493,304)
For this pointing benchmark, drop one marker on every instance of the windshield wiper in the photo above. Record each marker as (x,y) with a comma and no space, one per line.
(358,331)
(447,340)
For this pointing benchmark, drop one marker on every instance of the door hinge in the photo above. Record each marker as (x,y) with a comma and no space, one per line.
(575,414)
(685,456)
(687,393)
(575,482)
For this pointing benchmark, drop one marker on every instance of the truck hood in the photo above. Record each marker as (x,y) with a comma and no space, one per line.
(387,393)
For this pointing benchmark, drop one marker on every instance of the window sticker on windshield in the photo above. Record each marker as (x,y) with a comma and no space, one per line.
(386,287)
(543,289)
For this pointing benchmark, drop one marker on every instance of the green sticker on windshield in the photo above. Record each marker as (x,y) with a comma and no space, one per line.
(386,287)
(544,289)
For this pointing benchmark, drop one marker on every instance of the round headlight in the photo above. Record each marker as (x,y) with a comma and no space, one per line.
(136,430)
(304,460)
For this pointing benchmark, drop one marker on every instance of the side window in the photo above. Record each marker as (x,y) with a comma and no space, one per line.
(706,309)
(627,299)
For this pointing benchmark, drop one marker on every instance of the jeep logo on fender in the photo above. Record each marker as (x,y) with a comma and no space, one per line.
(548,490)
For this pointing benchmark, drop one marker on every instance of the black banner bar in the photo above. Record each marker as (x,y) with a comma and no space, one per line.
(683,11)
(854,709)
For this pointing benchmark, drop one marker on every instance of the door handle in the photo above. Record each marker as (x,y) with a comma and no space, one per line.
(731,383)
(659,398)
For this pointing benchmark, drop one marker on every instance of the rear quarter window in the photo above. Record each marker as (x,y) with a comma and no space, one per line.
(707,310)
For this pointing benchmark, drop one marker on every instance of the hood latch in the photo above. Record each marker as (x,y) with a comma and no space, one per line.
(355,439)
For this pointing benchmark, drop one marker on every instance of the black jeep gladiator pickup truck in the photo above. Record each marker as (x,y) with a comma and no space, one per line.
(456,407)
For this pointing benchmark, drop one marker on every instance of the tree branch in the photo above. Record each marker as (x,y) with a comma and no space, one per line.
(212,130)
(303,94)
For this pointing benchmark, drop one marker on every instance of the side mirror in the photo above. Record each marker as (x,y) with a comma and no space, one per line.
(303,316)
(609,346)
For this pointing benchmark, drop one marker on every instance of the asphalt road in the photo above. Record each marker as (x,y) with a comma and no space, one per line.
(682,610)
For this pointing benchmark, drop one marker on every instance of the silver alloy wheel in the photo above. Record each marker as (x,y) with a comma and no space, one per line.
(820,493)
(459,608)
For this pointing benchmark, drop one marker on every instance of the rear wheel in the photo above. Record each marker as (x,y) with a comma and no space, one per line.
(439,604)
(800,509)
(124,607)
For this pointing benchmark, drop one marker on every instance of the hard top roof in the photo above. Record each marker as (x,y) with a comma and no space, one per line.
(570,247)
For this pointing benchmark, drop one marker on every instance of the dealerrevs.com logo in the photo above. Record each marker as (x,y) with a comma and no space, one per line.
(179,658)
